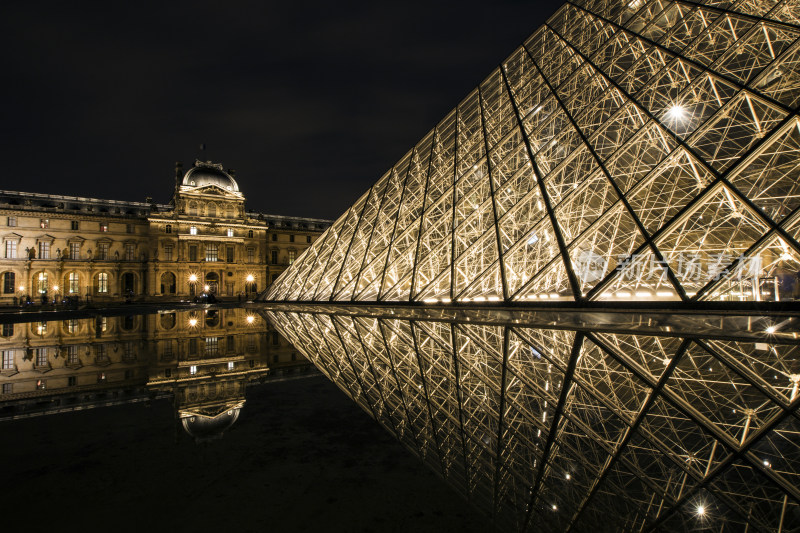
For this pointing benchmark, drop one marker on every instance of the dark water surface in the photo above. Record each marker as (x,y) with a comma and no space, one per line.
(301,457)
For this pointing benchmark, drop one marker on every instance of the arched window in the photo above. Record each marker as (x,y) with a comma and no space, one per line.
(193,208)
(41,283)
(168,228)
(168,321)
(212,210)
(168,283)
(250,234)
(229,211)
(128,283)
(102,283)
(9,283)
(73,282)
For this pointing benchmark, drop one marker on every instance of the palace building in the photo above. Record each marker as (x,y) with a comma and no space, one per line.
(204,240)
(202,360)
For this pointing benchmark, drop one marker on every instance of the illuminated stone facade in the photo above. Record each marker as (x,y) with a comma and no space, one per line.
(62,246)
(201,359)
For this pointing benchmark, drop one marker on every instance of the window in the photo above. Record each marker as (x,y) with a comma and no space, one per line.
(100,352)
(72,355)
(251,255)
(44,223)
(212,345)
(40,384)
(193,370)
(41,328)
(193,346)
(130,251)
(8,388)
(127,352)
(167,351)
(167,252)
(193,230)
(74,224)
(275,338)
(41,283)
(308,239)
(72,326)
(12,222)
(102,282)
(41,356)
(8,359)
(8,330)
(9,283)
(102,325)
(102,251)
(101,377)
(44,250)
(230,232)
(250,234)
(212,210)
(74,250)
(129,228)
(292,255)
(212,251)
(11,249)
(229,254)
(274,257)
(168,228)
(274,236)
(231,365)
(193,253)
(104,226)
(251,342)
(291,238)
(231,347)
(72,282)
(71,381)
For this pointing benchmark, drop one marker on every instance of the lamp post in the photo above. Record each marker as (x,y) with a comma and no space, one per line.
(249,285)
(192,282)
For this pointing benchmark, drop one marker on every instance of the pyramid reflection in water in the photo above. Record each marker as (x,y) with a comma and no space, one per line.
(638,150)
(632,150)
(626,425)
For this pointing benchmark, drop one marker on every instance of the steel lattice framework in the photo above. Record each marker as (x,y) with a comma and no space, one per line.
(633,423)
(641,150)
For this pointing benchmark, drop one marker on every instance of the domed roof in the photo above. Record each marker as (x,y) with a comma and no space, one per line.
(204,428)
(208,173)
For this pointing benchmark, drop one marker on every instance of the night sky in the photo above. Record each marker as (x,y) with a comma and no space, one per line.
(310,103)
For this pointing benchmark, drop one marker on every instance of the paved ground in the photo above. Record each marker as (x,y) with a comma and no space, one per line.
(302,457)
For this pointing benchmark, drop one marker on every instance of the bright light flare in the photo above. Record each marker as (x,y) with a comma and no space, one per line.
(193,278)
(192,322)
(701,510)
(676,112)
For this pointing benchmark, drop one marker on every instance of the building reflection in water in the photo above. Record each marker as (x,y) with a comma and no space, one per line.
(564,420)
(202,360)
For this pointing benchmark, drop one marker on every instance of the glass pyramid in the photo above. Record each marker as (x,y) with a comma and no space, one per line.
(628,150)
(569,421)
